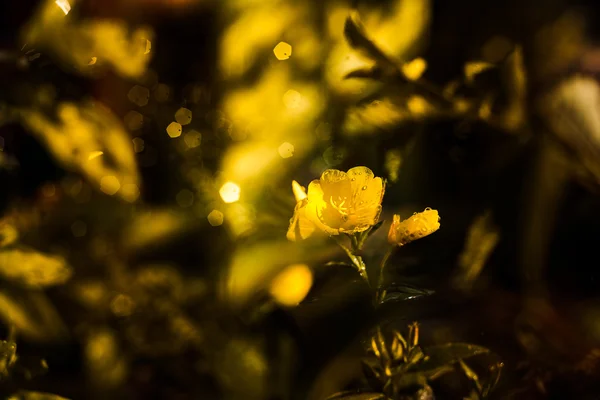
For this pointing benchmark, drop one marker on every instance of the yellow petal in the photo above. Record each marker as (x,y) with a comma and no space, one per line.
(299,191)
(392,236)
(314,212)
(318,210)
(300,226)
(416,227)
(367,193)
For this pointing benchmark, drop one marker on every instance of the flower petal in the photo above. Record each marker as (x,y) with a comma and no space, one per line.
(367,194)
(335,185)
(300,226)
(416,227)
(315,214)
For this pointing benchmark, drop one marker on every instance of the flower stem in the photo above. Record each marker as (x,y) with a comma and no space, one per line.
(356,259)
(384,261)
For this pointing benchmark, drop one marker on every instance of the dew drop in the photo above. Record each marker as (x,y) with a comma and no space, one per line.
(364,188)
(427,208)
(344,218)
(353,179)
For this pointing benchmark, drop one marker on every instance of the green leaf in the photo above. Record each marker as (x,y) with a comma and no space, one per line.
(375,227)
(33,269)
(402,292)
(449,353)
(354,395)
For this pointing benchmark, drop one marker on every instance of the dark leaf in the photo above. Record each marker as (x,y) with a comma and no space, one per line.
(449,353)
(373,373)
(26,395)
(31,313)
(370,73)
(354,395)
(406,383)
(375,227)
(402,292)
(358,40)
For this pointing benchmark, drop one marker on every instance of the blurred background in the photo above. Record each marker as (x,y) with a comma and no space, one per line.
(147,150)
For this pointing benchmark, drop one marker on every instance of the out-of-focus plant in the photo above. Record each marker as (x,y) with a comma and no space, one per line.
(399,368)
(88,44)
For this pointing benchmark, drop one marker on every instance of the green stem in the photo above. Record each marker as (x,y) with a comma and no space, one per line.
(356,259)
(380,293)
(384,261)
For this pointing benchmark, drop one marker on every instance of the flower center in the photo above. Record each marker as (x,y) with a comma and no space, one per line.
(339,205)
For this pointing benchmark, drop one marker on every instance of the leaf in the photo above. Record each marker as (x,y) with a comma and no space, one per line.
(358,40)
(8,233)
(8,356)
(31,313)
(375,227)
(33,269)
(402,292)
(373,72)
(354,395)
(82,132)
(449,353)
(373,373)
(27,395)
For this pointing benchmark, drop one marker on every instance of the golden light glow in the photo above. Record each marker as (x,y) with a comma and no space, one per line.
(192,139)
(110,185)
(64,5)
(286,150)
(133,120)
(95,154)
(215,218)
(474,68)
(162,93)
(414,69)
(185,198)
(291,285)
(138,144)
(283,51)
(130,192)
(183,116)
(417,105)
(230,192)
(139,95)
(174,130)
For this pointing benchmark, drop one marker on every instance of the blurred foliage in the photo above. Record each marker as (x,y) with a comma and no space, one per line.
(151,247)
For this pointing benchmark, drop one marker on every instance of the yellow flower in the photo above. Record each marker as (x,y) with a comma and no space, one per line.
(300,226)
(416,227)
(345,202)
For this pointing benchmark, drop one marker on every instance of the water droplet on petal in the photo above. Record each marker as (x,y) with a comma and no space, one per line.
(427,208)
(353,179)
(364,188)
